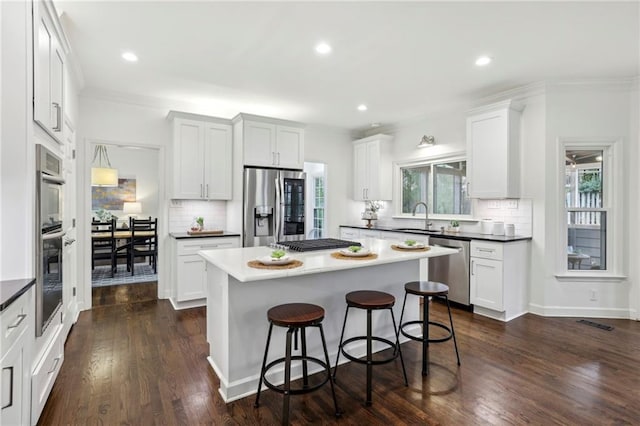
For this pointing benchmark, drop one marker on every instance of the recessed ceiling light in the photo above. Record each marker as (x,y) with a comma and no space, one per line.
(483,60)
(362,107)
(130,57)
(323,48)
(374,125)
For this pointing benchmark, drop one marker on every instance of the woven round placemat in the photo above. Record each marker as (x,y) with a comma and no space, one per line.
(338,255)
(259,265)
(398,248)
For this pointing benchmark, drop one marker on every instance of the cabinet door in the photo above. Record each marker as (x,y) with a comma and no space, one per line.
(57,87)
(487,135)
(43,45)
(289,147)
(259,144)
(218,147)
(373,171)
(12,368)
(360,172)
(192,276)
(188,159)
(487,288)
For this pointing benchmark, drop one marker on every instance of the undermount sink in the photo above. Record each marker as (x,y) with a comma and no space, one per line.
(421,230)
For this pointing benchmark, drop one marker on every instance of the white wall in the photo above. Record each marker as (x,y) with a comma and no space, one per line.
(17,169)
(333,147)
(592,112)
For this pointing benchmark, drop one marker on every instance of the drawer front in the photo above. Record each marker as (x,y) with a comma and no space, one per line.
(486,250)
(349,233)
(14,321)
(193,246)
(368,233)
(45,375)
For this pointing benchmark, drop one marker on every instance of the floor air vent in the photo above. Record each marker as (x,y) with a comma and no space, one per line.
(596,324)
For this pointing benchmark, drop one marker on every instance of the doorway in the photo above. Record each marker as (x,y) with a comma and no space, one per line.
(316,203)
(119,274)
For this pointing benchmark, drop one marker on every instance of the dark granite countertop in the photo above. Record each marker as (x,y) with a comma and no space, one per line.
(10,290)
(465,236)
(184,235)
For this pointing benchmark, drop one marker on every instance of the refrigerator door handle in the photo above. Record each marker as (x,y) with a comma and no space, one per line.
(278,208)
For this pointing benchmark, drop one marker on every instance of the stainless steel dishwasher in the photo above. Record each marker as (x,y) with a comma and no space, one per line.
(452,270)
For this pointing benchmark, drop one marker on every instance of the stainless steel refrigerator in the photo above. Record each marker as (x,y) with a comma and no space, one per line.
(273,206)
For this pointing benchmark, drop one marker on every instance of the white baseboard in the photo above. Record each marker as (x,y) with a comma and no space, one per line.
(187,304)
(577,311)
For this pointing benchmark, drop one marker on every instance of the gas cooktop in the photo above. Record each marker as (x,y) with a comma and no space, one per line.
(319,244)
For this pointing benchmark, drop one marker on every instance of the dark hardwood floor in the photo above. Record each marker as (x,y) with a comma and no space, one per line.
(124,293)
(144,363)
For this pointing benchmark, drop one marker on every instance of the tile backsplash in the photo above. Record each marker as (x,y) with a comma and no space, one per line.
(182,212)
(519,212)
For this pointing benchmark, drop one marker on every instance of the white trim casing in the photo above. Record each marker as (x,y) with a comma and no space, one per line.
(613,193)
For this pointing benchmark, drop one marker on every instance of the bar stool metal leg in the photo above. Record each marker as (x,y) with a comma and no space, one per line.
(404,371)
(287,378)
(344,324)
(369,357)
(264,363)
(305,375)
(453,333)
(326,358)
(425,336)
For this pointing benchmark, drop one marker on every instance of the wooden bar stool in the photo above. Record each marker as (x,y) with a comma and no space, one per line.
(370,300)
(295,317)
(427,289)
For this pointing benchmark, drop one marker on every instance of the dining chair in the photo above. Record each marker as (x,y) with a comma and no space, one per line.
(103,242)
(144,241)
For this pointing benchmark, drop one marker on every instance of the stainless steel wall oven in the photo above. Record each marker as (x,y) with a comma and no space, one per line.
(49,236)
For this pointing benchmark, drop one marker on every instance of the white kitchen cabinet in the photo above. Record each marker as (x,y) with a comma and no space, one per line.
(189,272)
(493,151)
(48,69)
(15,360)
(498,281)
(372,175)
(46,371)
(349,233)
(271,142)
(202,154)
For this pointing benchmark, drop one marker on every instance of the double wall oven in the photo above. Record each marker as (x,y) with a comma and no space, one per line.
(49,236)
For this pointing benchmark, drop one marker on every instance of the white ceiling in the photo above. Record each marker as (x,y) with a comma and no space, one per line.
(403,60)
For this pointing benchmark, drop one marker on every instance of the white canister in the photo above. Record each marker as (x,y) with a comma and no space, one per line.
(486,226)
(498,228)
(509,229)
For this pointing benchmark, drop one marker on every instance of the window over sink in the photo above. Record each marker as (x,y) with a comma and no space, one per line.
(440,183)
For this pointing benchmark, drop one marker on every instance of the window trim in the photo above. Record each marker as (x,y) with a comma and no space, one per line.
(397,185)
(612,195)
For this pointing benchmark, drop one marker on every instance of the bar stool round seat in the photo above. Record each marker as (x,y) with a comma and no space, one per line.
(426,289)
(296,317)
(370,300)
(295,314)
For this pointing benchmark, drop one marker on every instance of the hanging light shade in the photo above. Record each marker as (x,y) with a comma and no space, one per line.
(102,174)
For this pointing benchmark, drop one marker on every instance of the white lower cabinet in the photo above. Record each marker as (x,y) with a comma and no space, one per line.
(14,360)
(189,269)
(349,233)
(498,282)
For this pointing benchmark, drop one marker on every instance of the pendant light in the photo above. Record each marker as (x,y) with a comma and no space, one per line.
(102,174)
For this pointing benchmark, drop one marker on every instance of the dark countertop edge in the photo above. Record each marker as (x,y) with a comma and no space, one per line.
(184,235)
(11,290)
(464,236)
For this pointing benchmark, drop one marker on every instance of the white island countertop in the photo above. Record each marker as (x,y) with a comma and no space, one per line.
(234,261)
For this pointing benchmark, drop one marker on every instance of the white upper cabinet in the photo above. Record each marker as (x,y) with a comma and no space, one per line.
(49,71)
(493,151)
(202,154)
(271,143)
(372,168)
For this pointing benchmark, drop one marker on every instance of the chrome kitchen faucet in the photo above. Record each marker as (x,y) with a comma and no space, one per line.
(427,224)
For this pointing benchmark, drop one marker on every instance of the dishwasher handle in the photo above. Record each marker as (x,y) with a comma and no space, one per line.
(459,249)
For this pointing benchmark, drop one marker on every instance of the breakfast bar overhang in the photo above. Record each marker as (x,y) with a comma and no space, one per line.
(238,297)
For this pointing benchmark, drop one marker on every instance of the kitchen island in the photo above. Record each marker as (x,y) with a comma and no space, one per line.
(238,297)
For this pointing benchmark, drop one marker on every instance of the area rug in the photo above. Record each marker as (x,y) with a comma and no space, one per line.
(101,276)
